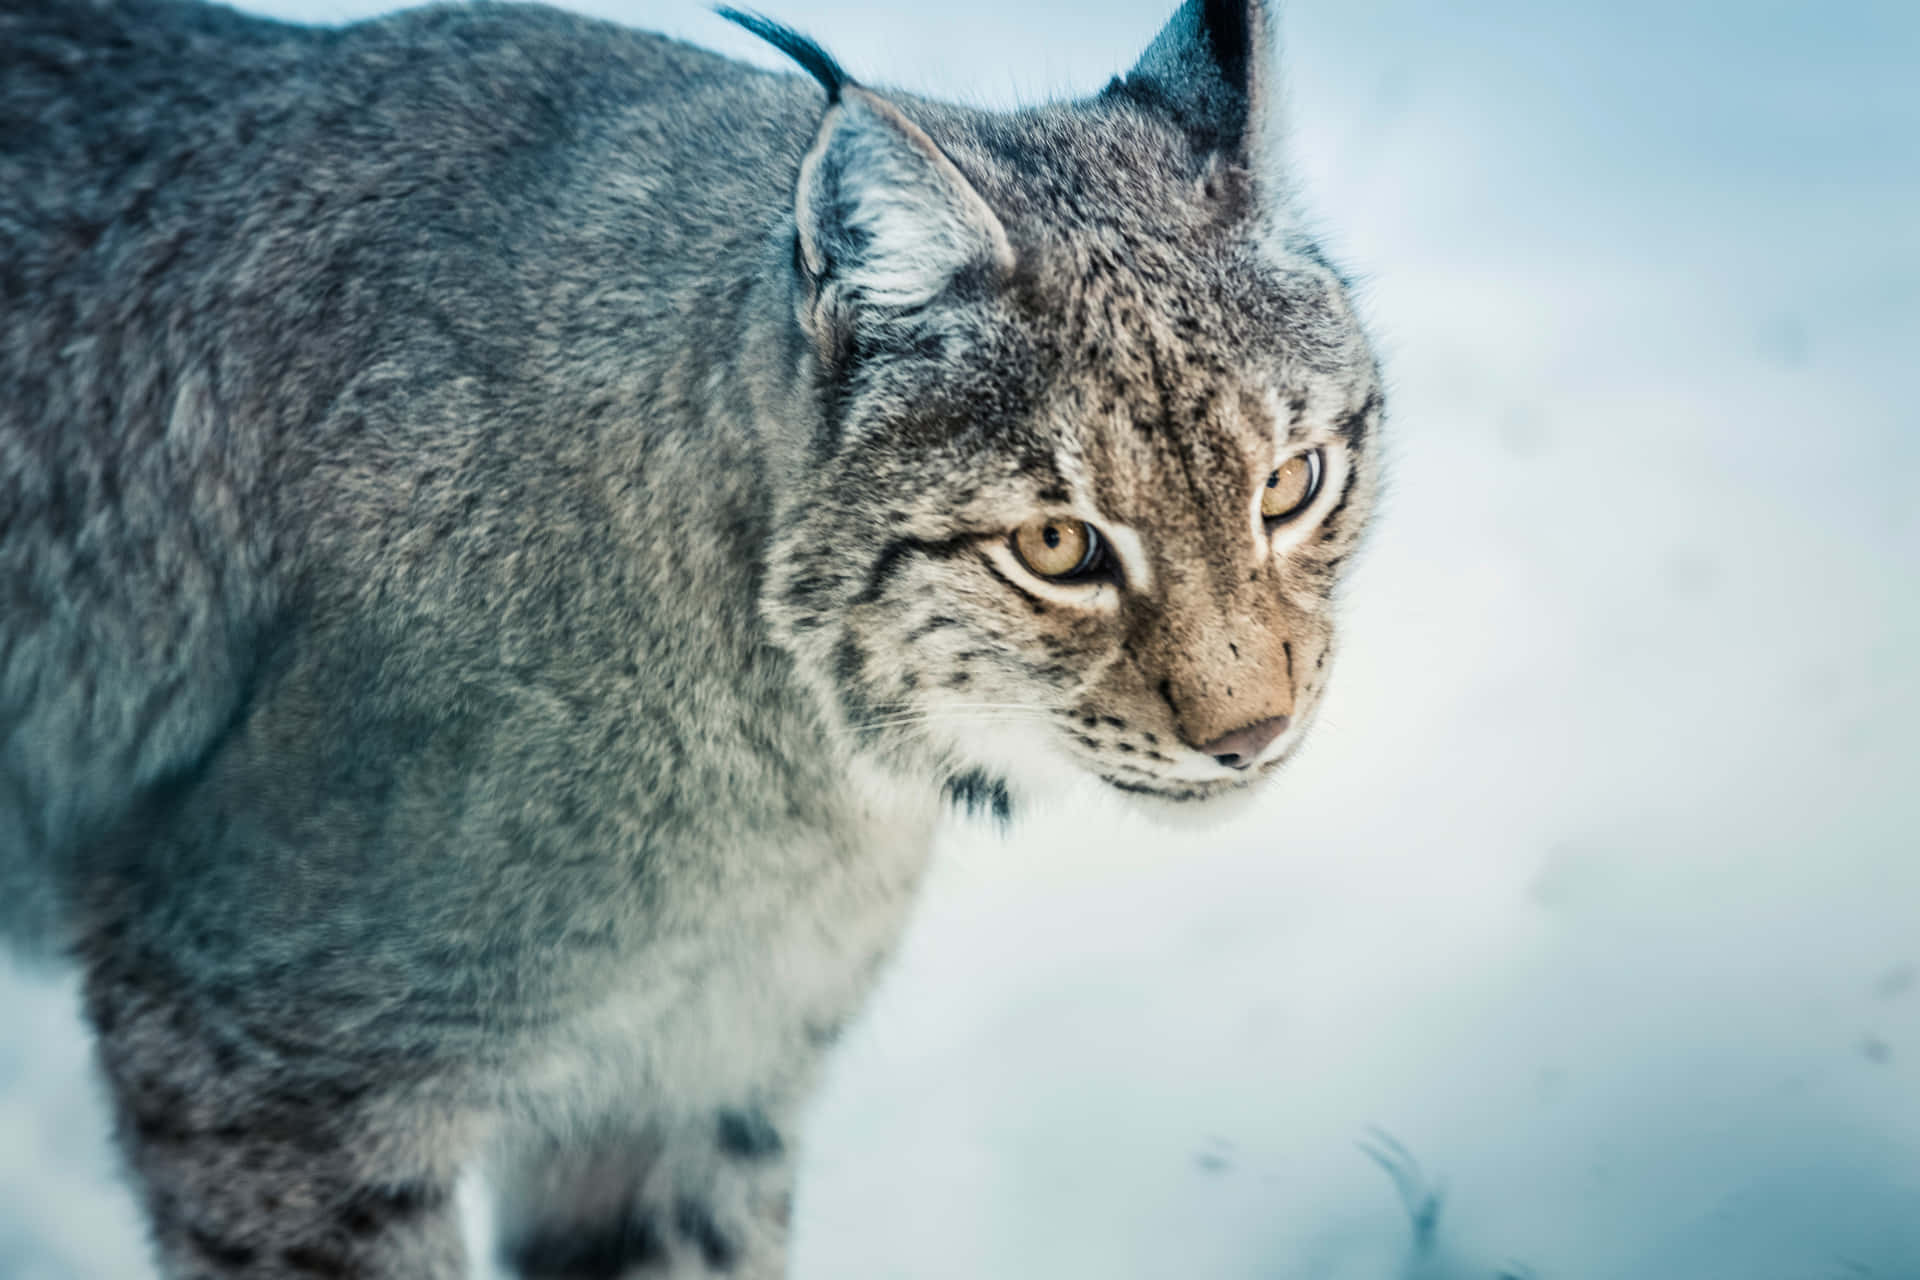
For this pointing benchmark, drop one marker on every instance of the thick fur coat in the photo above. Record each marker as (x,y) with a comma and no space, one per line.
(509,529)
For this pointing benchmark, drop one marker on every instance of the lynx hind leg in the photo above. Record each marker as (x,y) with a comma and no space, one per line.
(248,1169)
(640,1203)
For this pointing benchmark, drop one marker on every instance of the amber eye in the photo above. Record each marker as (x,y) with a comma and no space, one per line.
(1294,484)
(1061,549)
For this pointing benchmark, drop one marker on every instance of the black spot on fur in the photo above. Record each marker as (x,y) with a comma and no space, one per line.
(931,625)
(1340,507)
(748,1135)
(222,1253)
(979,793)
(1353,428)
(159,1127)
(696,1224)
(374,1209)
(849,664)
(608,1252)
(808,587)
(310,1260)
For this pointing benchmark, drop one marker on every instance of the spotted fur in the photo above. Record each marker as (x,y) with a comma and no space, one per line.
(506,549)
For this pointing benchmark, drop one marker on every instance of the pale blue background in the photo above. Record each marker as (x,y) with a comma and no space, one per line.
(1600,885)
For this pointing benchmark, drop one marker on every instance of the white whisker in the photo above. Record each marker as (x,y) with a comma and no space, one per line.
(983,714)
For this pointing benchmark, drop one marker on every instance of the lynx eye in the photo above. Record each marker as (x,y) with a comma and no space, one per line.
(1063,550)
(1293,485)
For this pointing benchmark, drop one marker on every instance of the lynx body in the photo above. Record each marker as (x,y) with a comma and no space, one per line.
(512,528)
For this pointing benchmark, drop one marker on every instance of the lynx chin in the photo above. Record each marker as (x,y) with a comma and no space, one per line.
(512,529)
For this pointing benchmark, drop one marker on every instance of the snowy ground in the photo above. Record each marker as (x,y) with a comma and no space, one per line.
(1599,888)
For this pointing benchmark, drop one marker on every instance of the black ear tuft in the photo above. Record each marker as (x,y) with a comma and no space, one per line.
(1209,69)
(1229,28)
(817,62)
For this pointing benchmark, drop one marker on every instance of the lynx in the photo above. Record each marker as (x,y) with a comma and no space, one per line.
(512,530)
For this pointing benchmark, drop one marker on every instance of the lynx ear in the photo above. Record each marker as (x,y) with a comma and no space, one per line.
(883,213)
(1213,68)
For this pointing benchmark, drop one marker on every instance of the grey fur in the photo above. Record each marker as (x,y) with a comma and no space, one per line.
(503,547)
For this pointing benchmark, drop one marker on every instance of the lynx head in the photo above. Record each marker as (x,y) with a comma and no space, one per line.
(1095,430)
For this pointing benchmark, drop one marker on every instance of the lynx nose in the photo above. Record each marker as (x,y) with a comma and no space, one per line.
(1239,749)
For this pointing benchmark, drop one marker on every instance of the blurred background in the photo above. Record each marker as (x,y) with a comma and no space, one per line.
(1593,907)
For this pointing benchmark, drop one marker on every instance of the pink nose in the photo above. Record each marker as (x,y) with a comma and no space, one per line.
(1239,749)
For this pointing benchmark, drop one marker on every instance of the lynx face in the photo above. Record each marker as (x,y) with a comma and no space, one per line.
(1097,436)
